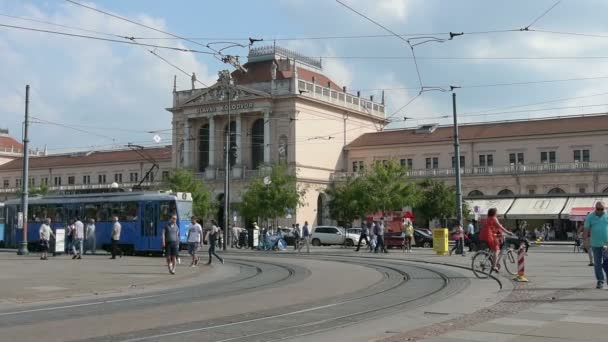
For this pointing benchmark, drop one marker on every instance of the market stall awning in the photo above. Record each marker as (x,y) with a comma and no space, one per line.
(536,208)
(580,213)
(502,205)
(580,202)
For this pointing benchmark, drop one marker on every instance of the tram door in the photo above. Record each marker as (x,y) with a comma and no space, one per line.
(149,227)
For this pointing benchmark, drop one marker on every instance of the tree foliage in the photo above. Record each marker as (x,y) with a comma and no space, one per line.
(438,200)
(384,187)
(272,200)
(183,180)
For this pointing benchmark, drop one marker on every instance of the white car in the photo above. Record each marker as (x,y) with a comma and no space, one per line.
(330,235)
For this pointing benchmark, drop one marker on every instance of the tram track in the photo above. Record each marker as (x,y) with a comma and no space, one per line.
(311,318)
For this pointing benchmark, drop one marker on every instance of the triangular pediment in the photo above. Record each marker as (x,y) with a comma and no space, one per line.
(216,92)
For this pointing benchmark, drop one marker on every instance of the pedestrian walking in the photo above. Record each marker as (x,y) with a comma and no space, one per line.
(212,238)
(91,240)
(235,231)
(586,244)
(116,230)
(408,233)
(458,235)
(522,236)
(297,235)
(364,236)
(379,233)
(596,228)
(69,237)
(470,228)
(195,239)
(77,239)
(170,242)
(45,234)
(305,237)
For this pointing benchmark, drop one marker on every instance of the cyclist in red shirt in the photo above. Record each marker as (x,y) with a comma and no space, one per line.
(492,234)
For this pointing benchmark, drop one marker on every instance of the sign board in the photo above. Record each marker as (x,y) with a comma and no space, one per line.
(184,196)
(59,240)
(19,220)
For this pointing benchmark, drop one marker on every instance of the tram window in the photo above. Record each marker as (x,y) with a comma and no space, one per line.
(104,213)
(185,210)
(129,211)
(36,213)
(57,212)
(91,211)
(167,208)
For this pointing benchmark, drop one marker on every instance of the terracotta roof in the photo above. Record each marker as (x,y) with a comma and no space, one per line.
(83,158)
(260,72)
(7,142)
(492,130)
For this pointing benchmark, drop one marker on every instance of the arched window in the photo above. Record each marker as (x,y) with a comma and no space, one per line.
(232,154)
(203,148)
(475,193)
(283,147)
(556,191)
(605,191)
(505,192)
(257,143)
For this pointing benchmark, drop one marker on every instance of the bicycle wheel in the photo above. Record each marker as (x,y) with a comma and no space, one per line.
(482,264)
(510,262)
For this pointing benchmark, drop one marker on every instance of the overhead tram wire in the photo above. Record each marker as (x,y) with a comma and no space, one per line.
(217,54)
(129,38)
(106,39)
(542,15)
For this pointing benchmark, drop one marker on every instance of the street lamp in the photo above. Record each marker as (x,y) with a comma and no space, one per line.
(225,80)
(457,160)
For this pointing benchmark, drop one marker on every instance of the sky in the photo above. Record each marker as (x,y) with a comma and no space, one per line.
(89,94)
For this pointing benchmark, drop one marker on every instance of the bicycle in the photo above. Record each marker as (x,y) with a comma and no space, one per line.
(482,262)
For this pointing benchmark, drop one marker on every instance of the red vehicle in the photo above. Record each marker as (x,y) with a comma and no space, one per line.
(392,220)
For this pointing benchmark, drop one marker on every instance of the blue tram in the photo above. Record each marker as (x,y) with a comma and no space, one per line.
(142,216)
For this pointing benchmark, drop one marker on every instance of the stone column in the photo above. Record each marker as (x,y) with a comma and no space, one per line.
(187,153)
(210,171)
(267,137)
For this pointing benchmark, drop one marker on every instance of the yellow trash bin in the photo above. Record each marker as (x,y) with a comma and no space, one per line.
(440,241)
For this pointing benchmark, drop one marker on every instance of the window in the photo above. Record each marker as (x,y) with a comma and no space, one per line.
(516,158)
(165,176)
(361,166)
(167,208)
(32,182)
(44,181)
(531,191)
(462,165)
(355,166)
(86,179)
(547,157)
(71,180)
(17,182)
(486,160)
(409,162)
(582,190)
(6,184)
(133,177)
(432,163)
(57,181)
(581,156)
(101,179)
(118,177)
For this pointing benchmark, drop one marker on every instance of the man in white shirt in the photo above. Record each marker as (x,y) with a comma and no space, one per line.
(78,236)
(45,234)
(90,236)
(116,229)
(195,238)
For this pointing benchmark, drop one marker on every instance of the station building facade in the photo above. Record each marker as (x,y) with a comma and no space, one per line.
(283,109)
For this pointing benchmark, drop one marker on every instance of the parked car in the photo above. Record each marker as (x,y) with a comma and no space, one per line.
(475,244)
(330,235)
(425,230)
(356,231)
(421,239)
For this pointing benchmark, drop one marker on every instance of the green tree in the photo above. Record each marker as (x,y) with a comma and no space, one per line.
(182,180)
(438,200)
(389,187)
(348,200)
(272,196)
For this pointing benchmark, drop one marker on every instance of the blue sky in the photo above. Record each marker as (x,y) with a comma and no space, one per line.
(117,93)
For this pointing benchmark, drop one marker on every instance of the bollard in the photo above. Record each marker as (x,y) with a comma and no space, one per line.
(521,274)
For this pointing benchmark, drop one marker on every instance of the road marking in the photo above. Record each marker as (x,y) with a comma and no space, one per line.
(86,304)
(231,324)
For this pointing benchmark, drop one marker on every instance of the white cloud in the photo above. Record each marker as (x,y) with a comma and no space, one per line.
(91,82)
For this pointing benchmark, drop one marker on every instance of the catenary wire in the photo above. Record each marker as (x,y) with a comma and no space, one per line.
(543,14)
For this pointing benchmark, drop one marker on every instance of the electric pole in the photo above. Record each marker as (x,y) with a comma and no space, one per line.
(25,178)
(228,137)
(457,163)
